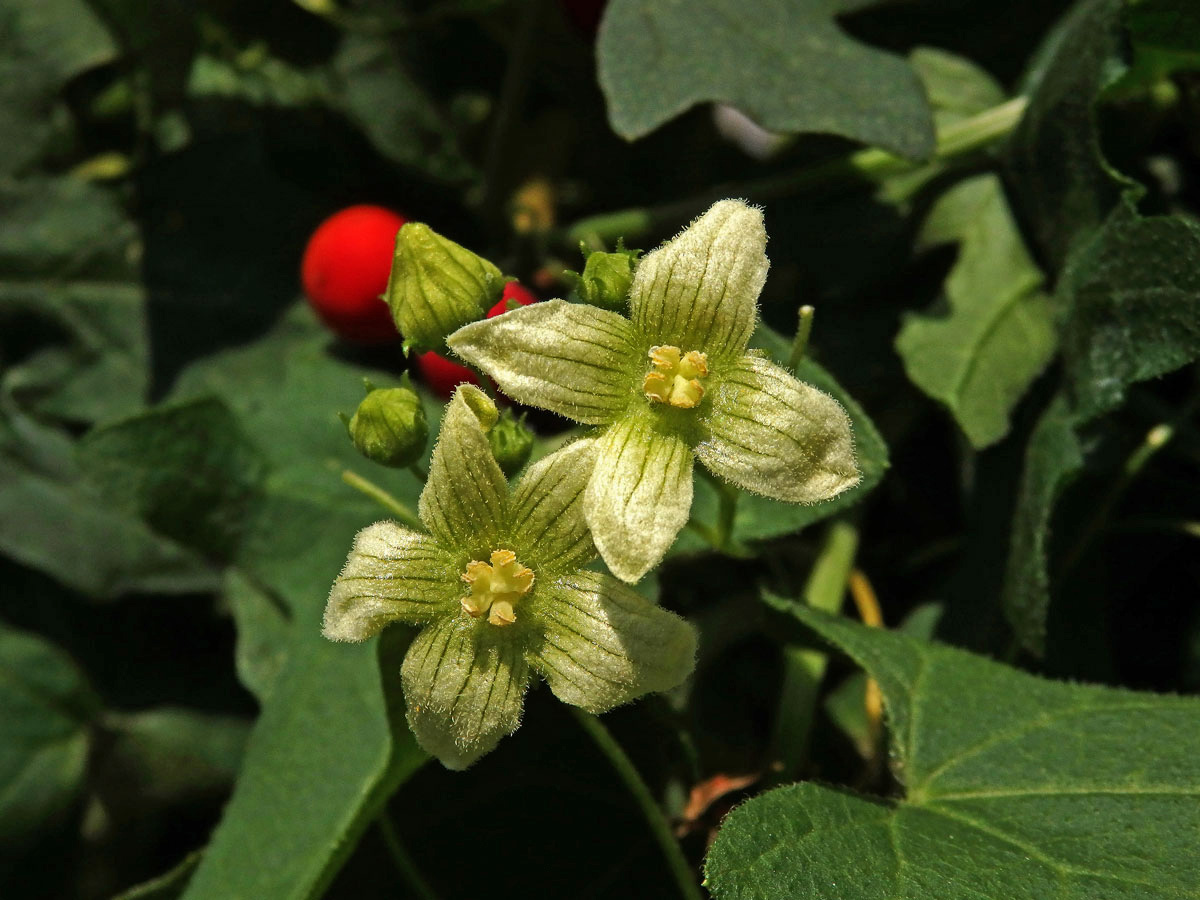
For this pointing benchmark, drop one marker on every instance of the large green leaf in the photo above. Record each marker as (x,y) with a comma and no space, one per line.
(980,356)
(785,64)
(323,755)
(45,712)
(45,44)
(1014,787)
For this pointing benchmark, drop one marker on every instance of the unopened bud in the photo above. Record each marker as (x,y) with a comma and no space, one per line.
(437,286)
(389,426)
(606,277)
(511,442)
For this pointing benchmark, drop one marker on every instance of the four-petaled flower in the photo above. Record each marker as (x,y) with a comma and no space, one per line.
(498,585)
(671,384)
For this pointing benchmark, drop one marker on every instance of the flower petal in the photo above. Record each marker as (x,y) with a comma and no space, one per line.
(774,435)
(570,358)
(639,495)
(464,500)
(465,688)
(391,575)
(548,506)
(699,290)
(605,644)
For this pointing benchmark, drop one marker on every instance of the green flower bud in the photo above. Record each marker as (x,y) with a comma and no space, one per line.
(606,277)
(437,286)
(389,426)
(511,442)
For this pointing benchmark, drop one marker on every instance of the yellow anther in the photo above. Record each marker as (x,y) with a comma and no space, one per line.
(675,376)
(496,588)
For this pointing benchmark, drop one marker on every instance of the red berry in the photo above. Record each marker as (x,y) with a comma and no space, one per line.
(444,376)
(345,272)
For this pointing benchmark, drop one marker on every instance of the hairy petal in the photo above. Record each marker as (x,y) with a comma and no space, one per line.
(464,500)
(699,291)
(774,435)
(465,689)
(639,495)
(547,505)
(570,358)
(604,644)
(391,575)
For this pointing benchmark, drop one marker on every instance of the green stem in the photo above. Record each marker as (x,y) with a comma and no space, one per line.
(953,141)
(804,669)
(800,342)
(685,878)
(419,472)
(405,864)
(383,498)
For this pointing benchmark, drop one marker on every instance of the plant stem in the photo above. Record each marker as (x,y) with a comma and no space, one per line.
(383,498)
(800,342)
(803,669)
(419,472)
(405,864)
(685,878)
(955,140)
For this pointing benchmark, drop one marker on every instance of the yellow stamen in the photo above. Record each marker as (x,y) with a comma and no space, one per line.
(675,376)
(496,588)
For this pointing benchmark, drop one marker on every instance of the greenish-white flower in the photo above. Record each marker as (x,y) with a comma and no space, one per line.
(672,384)
(497,584)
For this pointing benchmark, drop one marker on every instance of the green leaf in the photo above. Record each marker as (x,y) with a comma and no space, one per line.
(787,65)
(1015,786)
(68,256)
(46,43)
(1134,300)
(998,335)
(45,712)
(760,518)
(1063,183)
(52,519)
(378,94)
(186,469)
(325,751)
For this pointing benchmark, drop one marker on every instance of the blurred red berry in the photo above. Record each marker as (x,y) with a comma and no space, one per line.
(345,272)
(444,376)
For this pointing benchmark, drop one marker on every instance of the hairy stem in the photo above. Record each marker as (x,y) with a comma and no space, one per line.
(383,498)
(405,864)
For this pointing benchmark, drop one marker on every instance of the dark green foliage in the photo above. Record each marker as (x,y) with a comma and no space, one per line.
(1013,331)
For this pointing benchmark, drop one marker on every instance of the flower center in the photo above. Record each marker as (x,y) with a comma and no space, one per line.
(496,588)
(675,376)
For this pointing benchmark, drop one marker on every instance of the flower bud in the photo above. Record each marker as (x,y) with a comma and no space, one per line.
(437,286)
(606,277)
(511,442)
(389,426)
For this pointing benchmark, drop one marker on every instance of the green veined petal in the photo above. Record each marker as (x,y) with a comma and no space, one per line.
(639,496)
(464,684)
(570,358)
(604,644)
(391,575)
(774,435)
(699,291)
(547,505)
(463,503)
